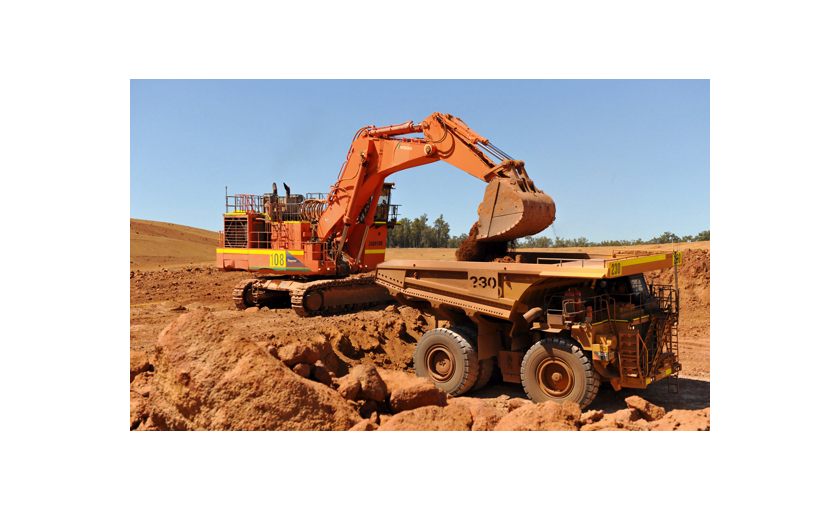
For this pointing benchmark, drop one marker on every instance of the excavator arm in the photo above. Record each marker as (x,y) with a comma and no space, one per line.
(512,207)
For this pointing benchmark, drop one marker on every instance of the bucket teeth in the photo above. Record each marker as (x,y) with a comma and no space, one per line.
(508,212)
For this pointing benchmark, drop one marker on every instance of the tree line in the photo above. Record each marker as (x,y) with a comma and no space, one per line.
(559,242)
(419,233)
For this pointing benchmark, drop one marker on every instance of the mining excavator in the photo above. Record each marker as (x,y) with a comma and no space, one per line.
(312,253)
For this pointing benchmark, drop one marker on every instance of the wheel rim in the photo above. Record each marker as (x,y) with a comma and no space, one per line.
(555,377)
(439,363)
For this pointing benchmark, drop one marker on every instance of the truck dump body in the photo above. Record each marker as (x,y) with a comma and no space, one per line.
(598,304)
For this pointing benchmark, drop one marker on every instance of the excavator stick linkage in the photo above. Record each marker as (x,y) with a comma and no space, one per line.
(511,210)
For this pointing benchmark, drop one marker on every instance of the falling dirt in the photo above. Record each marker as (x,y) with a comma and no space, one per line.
(473,250)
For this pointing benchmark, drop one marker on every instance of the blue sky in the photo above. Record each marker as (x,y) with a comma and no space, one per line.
(621,158)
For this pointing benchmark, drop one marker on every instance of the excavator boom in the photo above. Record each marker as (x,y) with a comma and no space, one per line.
(512,207)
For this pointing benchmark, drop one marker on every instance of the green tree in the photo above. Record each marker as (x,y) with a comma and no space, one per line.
(441,232)
(527,242)
(419,227)
(456,241)
(542,242)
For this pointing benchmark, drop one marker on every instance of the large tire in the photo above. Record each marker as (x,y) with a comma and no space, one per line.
(447,358)
(557,369)
(485,366)
(485,371)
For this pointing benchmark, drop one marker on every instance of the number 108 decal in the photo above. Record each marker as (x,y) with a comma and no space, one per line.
(277,259)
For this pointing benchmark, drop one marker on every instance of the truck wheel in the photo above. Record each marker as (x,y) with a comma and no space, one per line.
(485,366)
(447,358)
(558,370)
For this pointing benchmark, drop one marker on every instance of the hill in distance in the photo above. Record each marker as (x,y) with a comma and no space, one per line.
(154,243)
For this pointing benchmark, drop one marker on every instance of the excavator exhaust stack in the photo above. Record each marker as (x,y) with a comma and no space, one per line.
(513,207)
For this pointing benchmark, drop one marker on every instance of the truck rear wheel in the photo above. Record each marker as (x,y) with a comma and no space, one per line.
(558,370)
(446,357)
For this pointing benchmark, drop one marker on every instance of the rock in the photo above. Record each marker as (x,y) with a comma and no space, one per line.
(138,362)
(142,384)
(516,403)
(272,349)
(172,306)
(252,309)
(395,379)
(485,414)
(452,417)
(422,392)
(373,387)
(626,419)
(389,308)
(349,388)
(207,379)
(648,411)
(303,370)
(369,408)
(139,410)
(383,418)
(374,417)
(293,354)
(680,419)
(591,417)
(363,426)
(321,374)
(543,416)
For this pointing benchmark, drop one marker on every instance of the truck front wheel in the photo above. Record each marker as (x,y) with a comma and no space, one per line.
(446,357)
(556,369)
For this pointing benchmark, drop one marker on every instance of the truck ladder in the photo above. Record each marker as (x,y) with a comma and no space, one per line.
(628,356)
(636,363)
(674,347)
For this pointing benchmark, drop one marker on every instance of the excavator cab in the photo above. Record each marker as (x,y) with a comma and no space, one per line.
(384,205)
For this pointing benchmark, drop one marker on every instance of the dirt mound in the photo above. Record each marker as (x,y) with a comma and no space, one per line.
(207,379)
(694,278)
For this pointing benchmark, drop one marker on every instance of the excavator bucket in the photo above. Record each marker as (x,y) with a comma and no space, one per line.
(510,211)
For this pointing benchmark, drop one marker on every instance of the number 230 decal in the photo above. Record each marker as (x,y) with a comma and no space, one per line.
(483,282)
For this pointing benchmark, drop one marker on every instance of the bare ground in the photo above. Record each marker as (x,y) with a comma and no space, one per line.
(160,295)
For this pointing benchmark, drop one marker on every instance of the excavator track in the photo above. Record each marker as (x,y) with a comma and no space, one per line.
(240,291)
(327,297)
(322,297)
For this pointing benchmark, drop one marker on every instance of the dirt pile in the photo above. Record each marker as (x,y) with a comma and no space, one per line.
(694,278)
(203,377)
(207,379)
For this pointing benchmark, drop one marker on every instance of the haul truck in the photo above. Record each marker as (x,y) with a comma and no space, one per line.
(559,324)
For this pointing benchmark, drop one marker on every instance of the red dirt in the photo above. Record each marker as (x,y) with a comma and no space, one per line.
(386,336)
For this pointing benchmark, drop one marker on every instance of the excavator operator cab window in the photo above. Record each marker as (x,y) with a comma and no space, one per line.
(384,203)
